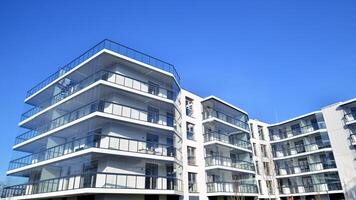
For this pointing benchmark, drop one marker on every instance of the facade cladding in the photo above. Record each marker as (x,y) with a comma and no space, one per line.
(115,124)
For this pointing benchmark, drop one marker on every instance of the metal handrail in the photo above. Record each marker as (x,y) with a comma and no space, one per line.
(113,46)
(100,106)
(227,118)
(351,116)
(98,141)
(228,162)
(214,136)
(310,167)
(105,75)
(316,187)
(95,180)
(231,187)
(300,149)
(301,130)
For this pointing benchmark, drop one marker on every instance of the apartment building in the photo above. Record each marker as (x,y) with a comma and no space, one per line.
(115,123)
(263,159)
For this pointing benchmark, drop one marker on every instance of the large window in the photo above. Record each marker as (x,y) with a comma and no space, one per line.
(264,150)
(190,131)
(260,186)
(252,132)
(192,182)
(254,148)
(191,155)
(269,187)
(260,133)
(266,168)
(257,168)
(188,106)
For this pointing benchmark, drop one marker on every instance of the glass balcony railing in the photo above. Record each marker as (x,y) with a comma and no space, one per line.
(228,162)
(231,187)
(95,180)
(317,187)
(311,167)
(98,141)
(213,136)
(115,47)
(109,76)
(281,152)
(283,134)
(207,114)
(105,107)
(349,117)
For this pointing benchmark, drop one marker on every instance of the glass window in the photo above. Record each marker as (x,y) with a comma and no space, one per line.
(266,168)
(254,149)
(299,146)
(260,133)
(153,88)
(188,106)
(251,128)
(257,168)
(263,150)
(192,182)
(260,186)
(191,155)
(190,131)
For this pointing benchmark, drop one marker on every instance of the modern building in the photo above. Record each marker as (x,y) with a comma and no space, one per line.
(115,123)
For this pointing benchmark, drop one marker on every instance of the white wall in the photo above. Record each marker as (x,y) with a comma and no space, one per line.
(345,155)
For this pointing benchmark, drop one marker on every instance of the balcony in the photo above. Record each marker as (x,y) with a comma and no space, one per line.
(316,188)
(281,152)
(311,167)
(228,162)
(350,117)
(353,139)
(208,114)
(224,138)
(98,180)
(111,77)
(104,107)
(295,132)
(98,141)
(112,46)
(231,187)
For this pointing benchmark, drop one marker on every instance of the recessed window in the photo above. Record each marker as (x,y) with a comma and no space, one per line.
(189,106)
(260,133)
(191,155)
(192,182)
(190,131)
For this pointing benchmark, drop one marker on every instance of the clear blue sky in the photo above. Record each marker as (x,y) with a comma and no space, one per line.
(274,59)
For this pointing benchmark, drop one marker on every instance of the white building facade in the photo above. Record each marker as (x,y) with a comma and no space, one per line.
(116,124)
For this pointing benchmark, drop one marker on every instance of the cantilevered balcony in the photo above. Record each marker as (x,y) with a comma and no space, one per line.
(226,139)
(231,187)
(283,134)
(112,182)
(111,77)
(114,47)
(101,142)
(220,161)
(310,167)
(353,139)
(208,114)
(350,118)
(299,150)
(106,107)
(329,187)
